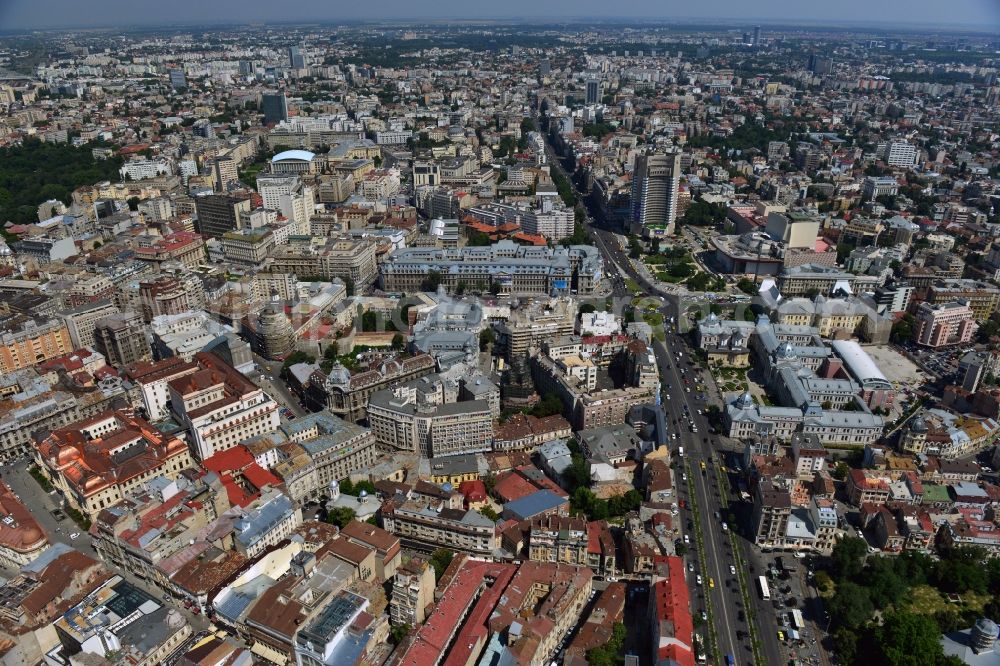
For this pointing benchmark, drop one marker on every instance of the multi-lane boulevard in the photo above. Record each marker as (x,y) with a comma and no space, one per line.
(739,622)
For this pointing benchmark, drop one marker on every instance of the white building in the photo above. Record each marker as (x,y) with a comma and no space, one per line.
(599,323)
(898,153)
(140,169)
(220,406)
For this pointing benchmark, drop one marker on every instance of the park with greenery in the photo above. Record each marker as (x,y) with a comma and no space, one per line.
(37,171)
(885,610)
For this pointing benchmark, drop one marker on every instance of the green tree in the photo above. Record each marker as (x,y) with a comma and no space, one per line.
(340,516)
(399,632)
(850,605)
(490,513)
(847,557)
(903,635)
(747,286)
(486,338)
(440,559)
(398,341)
(840,471)
(611,653)
(903,329)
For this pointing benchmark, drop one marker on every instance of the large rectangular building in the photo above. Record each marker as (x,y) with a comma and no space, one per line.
(219,406)
(506,267)
(95,463)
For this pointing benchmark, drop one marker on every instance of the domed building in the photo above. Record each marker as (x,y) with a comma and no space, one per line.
(21,538)
(915,435)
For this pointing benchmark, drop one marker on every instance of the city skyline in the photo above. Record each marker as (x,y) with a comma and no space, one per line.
(982,15)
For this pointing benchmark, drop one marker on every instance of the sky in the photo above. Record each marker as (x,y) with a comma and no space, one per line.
(27,14)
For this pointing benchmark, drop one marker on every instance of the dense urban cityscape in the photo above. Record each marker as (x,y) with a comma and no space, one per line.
(500,343)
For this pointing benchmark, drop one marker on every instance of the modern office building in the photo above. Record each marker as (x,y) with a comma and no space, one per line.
(593,91)
(122,338)
(219,214)
(178,79)
(655,182)
(403,420)
(296,60)
(274,106)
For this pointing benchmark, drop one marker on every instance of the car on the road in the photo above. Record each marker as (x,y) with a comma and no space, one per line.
(74,535)
(704,616)
(687,540)
(725,527)
(691,567)
(698,579)
(711,582)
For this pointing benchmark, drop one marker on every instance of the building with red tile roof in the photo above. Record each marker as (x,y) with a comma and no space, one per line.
(22,539)
(98,461)
(220,406)
(240,474)
(671,614)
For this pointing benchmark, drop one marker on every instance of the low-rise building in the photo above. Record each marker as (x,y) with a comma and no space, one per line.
(430,524)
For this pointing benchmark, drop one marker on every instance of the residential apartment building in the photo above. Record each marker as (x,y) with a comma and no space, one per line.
(95,463)
(530,326)
(428,524)
(982,297)
(945,324)
(555,538)
(221,213)
(30,341)
(772,508)
(170,295)
(412,593)
(122,339)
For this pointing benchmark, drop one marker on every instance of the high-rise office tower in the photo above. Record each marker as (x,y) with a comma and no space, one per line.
(544,68)
(593,91)
(274,106)
(178,79)
(247,68)
(655,181)
(756,36)
(295,58)
(820,65)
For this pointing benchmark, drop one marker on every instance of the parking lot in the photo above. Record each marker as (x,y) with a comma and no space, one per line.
(789,579)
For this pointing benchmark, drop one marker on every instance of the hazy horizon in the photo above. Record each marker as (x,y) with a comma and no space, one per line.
(972,15)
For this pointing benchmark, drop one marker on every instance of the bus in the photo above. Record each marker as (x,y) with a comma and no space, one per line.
(765,592)
(796,618)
